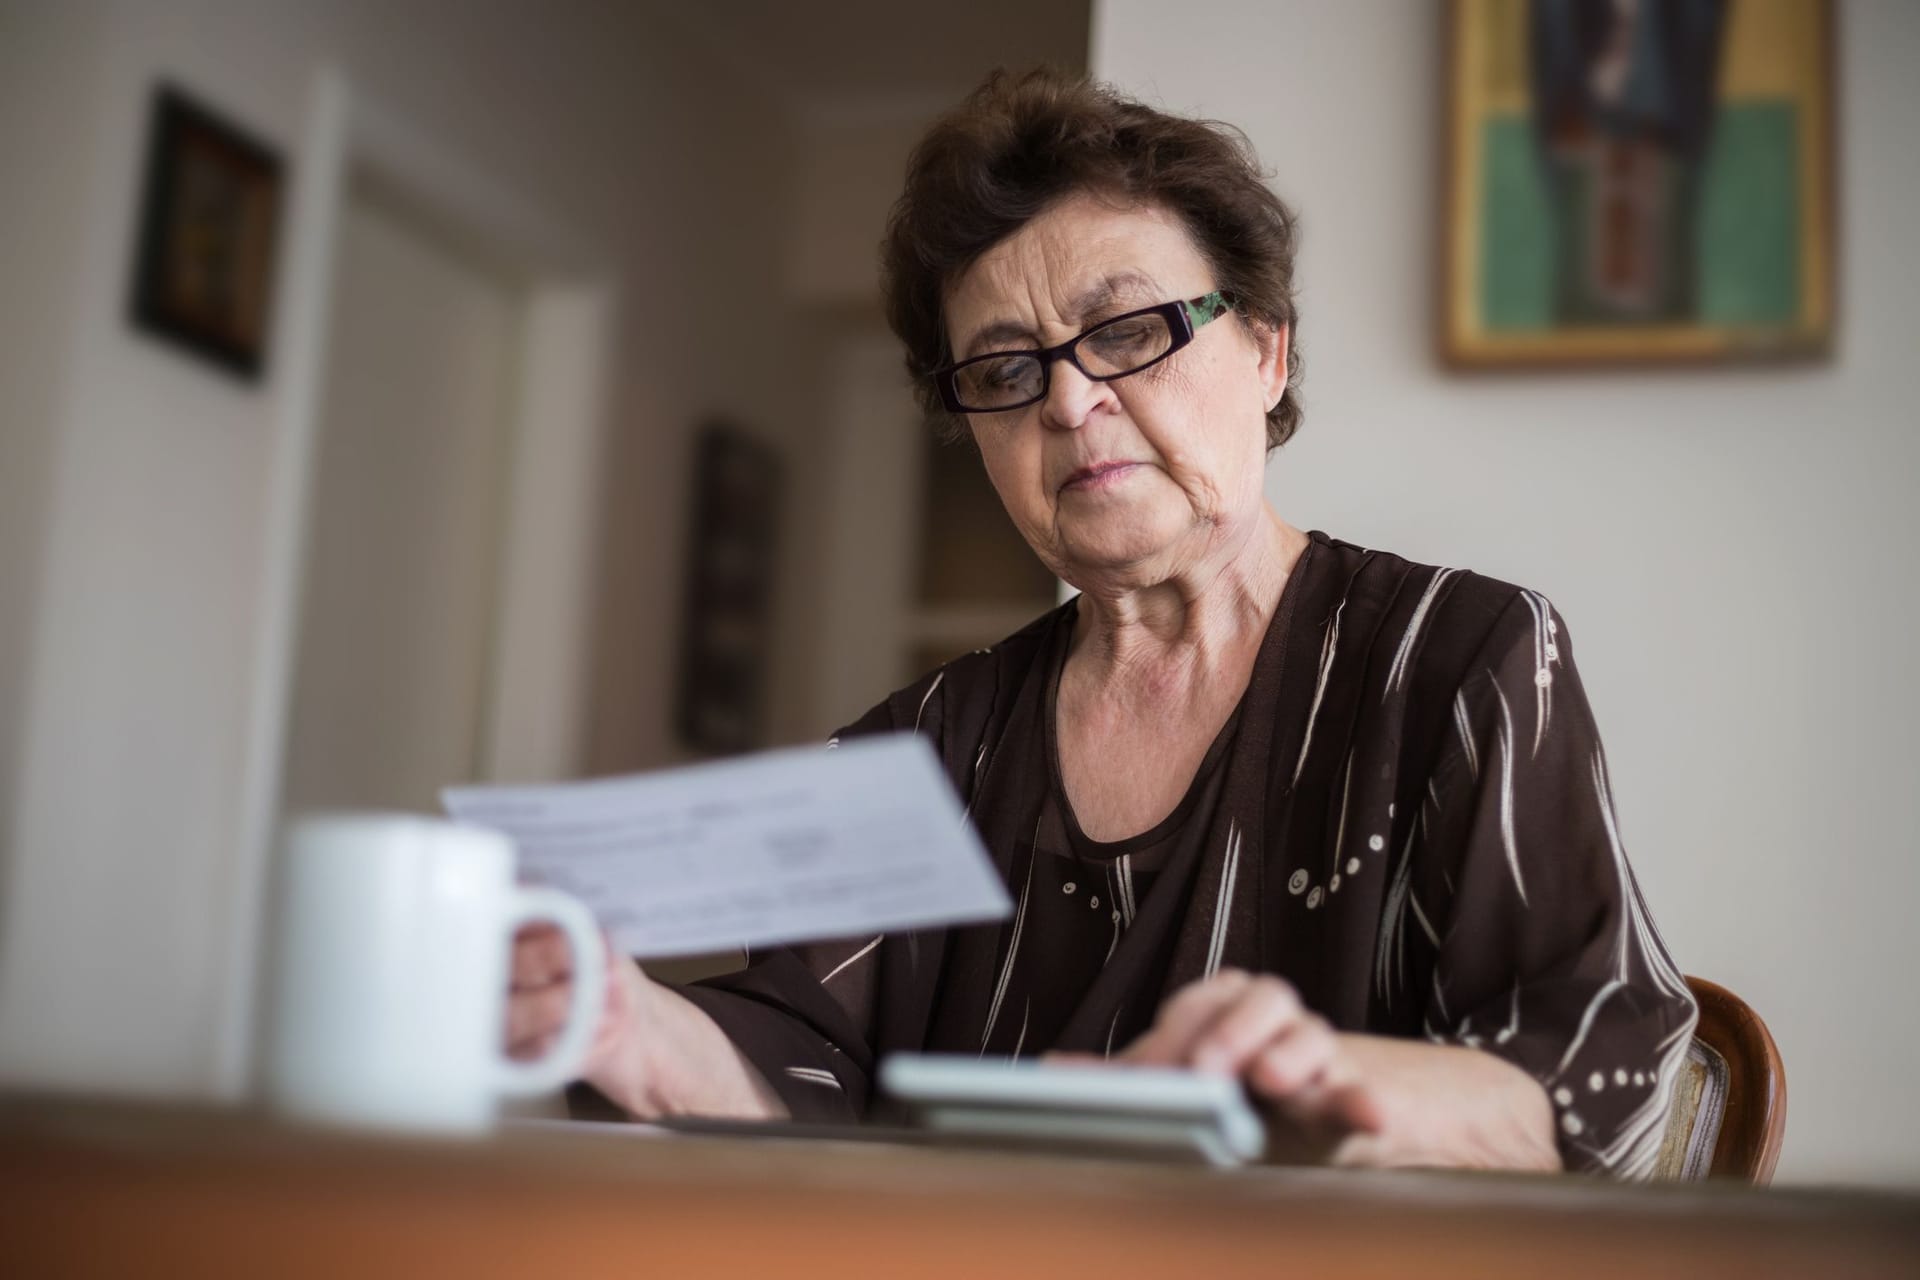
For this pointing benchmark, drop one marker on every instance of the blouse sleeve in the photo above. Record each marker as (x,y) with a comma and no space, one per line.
(1545,952)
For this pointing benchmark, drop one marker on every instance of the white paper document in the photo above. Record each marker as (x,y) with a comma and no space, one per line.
(788,846)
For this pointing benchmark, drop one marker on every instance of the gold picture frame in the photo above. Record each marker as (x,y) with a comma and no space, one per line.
(1637,184)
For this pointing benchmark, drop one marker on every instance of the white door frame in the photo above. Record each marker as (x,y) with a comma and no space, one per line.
(538,681)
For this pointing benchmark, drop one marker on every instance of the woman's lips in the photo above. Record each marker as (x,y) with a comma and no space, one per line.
(1099,476)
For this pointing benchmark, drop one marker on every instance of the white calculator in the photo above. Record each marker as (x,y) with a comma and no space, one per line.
(1158,1111)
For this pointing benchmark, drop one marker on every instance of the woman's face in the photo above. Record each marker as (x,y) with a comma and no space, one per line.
(1124,484)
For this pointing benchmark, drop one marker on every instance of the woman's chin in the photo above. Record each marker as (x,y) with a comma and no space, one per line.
(1121,564)
(1120,545)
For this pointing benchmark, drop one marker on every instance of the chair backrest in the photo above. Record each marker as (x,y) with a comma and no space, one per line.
(1730,1101)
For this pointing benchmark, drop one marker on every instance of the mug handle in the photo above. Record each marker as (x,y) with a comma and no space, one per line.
(532,905)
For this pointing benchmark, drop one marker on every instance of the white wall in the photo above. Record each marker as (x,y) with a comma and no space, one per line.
(44,66)
(1734,548)
(133,592)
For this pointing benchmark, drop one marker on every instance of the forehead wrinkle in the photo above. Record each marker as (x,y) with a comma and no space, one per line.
(998,331)
(1018,278)
(1034,281)
(1129,285)
(1125,285)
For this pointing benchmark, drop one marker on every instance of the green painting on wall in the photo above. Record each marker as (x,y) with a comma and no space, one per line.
(1638,180)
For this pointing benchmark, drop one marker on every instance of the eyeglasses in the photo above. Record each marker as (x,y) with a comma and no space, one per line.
(1112,349)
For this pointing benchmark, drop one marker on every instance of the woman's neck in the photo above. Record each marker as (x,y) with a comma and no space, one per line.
(1208,617)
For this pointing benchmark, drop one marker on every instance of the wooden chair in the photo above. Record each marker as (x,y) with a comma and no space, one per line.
(1730,1101)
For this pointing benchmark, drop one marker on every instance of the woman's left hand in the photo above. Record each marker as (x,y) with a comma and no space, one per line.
(1342,1098)
(1255,1029)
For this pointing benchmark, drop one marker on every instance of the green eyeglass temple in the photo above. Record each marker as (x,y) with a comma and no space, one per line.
(1207,308)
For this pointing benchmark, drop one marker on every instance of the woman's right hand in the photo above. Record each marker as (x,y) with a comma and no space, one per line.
(655,1052)
(540,996)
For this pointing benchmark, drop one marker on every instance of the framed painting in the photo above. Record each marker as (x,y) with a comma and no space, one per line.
(1633,181)
(726,645)
(203,270)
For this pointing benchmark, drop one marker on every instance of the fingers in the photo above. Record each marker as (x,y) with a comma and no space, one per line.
(532,1050)
(1305,1071)
(533,1017)
(1184,1019)
(1318,1096)
(1358,1108)
(1256,1029)
(541,957)
(1224,1025)
(1294,1058)
(1265,1017)
(540,990)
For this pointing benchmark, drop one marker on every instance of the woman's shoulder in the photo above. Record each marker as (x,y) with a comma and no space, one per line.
(978,679)
(1432,609)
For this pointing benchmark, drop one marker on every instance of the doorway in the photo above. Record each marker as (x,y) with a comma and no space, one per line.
(391,669)
(432,496)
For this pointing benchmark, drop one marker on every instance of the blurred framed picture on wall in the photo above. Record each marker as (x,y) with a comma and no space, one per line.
(1632,181)
(726,642)
(209,215)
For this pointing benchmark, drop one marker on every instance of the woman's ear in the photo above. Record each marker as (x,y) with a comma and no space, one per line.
(1271,341)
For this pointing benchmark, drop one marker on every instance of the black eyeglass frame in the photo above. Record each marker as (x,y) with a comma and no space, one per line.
(1183,319)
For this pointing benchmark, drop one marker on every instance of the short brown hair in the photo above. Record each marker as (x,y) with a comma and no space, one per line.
(1018,144)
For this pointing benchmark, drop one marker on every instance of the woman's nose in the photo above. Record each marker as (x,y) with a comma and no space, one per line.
(1071,397)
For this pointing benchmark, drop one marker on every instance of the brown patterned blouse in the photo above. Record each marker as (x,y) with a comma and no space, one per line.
(1407,817)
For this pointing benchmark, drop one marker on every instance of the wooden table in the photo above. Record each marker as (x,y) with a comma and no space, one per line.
(124,1190)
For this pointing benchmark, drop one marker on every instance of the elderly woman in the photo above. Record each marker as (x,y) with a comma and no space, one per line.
(1270,805)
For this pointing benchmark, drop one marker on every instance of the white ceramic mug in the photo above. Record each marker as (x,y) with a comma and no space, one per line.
(388,992)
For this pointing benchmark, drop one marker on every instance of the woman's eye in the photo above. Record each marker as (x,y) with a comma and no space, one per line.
(1123,337)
